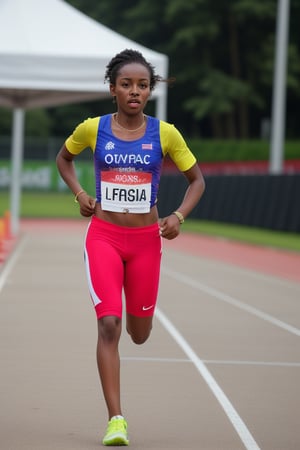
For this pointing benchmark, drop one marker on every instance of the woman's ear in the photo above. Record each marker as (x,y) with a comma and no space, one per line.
(113,93)
(112,89)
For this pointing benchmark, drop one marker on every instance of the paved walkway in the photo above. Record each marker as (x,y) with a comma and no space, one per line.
(220,371)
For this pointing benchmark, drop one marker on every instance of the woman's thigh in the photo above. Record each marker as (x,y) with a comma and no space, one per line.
(141,278)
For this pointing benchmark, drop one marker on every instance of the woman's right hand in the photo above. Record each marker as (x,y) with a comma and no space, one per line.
(87,204)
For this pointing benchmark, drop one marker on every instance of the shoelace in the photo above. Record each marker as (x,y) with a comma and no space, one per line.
(118,425)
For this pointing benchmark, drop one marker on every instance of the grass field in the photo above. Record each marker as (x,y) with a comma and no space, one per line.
(50,205)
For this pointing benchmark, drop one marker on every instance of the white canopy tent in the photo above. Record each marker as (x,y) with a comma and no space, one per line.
(52,54)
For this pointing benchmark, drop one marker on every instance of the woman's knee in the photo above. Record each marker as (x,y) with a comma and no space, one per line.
(139,328)
(139,338)
(109,328)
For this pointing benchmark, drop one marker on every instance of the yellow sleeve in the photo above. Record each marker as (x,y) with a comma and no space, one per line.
(84,135)
(173,144)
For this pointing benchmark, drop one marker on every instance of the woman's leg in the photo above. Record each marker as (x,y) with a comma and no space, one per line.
(105,273)
(108,361)
(109,331)
(139,328)
(141,281)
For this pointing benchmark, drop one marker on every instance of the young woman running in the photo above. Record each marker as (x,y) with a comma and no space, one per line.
(123,240)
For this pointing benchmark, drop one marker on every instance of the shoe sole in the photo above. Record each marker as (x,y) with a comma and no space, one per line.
(116,441)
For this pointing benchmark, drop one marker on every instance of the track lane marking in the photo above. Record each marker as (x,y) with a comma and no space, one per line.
(230,300)
(215,362)
(237,422)
(9,265)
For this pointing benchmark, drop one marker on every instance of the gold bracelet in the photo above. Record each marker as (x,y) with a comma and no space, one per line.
(179,216)
(77,195)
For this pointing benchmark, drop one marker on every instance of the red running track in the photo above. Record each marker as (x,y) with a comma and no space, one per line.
(271,261)
(267,260)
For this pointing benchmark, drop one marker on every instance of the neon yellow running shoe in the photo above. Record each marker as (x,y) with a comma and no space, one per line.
(116,433)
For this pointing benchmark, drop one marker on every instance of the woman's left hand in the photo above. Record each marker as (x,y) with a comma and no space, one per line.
(169,227)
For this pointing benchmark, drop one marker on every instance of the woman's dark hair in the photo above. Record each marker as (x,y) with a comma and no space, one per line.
(128,57)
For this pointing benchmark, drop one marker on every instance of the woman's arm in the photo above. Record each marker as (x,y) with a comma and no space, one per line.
(170,225)
(194,191)
(66,168)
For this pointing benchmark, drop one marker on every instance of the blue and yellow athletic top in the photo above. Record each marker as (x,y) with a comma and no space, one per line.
(127,173)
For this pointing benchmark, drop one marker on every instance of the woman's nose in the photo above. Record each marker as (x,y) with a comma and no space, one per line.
(134,91)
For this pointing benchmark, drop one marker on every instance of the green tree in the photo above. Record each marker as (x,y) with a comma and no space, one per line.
(221,54)
(37,122)
(217,39)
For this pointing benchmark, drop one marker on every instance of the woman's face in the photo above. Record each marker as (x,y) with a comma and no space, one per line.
(132,88)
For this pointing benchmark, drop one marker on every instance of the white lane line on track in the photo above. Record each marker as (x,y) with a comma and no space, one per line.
(154,359)
(268,278)
(233,416)
(230,300)
(212,361)
(11,262)
(252,363)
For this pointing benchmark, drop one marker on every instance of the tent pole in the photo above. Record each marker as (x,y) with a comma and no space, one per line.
(161,105)
(279,89)
(16,173)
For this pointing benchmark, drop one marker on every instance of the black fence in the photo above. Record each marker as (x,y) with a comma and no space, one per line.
(263,201)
